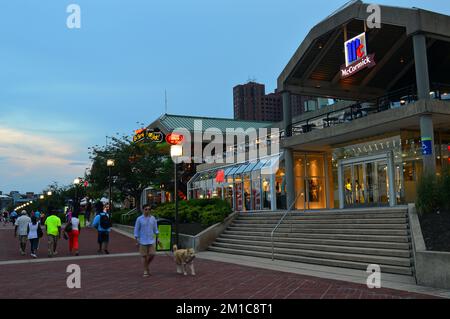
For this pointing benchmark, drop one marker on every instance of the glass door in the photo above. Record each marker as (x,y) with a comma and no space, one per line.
(366,184)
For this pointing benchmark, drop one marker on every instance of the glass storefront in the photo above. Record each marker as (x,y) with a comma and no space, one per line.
(366,173)
(256,185)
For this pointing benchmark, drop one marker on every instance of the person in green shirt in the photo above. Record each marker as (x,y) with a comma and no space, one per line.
(53,226)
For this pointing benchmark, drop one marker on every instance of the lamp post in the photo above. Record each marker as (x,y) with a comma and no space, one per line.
(175,152)
(76,182)
(110,163)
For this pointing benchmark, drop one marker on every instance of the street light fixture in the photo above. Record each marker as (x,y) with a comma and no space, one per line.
(41,197)
(49,193)
(110,163)
(76,182)
(176,151)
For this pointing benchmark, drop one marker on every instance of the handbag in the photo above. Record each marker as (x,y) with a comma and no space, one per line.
(68,228)
(40,233)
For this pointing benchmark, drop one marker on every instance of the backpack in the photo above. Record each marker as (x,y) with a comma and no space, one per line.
(105,221)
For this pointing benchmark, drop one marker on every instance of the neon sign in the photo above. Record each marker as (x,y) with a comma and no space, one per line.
(355,49)
(143,134)
(356,57)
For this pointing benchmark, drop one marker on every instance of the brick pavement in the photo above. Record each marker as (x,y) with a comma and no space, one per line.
(121,278)
(9,246)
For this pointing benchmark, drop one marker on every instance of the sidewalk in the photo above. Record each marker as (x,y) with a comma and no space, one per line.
(120,277)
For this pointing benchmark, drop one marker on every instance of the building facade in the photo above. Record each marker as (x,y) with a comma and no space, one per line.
(251,103)
(390,124)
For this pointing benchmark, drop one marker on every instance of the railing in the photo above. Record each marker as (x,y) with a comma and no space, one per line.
(281,220)
(124,218)
(394,99)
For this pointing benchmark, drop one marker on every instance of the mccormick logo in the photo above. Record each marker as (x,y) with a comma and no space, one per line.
(356,57)
(355,49)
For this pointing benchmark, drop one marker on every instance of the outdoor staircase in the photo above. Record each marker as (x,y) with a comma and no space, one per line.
(340,238)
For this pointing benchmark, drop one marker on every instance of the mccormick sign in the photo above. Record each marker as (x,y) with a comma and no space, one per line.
(356,58)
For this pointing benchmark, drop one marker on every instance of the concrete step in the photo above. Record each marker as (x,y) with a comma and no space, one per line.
(296,226)
(404,253)
(301,216)
(385,260)
(331,213)
(312,236)
(350,231)
(307,221)
(319,241)
(317,261)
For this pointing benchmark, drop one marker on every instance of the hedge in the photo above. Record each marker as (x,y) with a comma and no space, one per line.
(207,212)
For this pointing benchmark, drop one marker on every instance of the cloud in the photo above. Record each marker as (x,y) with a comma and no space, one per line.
(79,164)
(29,157)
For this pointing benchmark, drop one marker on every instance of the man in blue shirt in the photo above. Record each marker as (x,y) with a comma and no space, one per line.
(145,230)
(102,222)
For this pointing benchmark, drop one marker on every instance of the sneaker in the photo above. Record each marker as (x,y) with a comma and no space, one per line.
(106,252)
(77,254)
(146,274)
(55,253)
(22,253)
(33,255)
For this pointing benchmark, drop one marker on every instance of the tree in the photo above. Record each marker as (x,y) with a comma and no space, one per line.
(137,166)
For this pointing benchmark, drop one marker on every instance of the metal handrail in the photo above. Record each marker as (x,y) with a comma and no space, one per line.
(122,217)
(408,90)
(281,220)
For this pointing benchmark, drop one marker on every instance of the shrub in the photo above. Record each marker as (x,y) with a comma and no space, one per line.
(206,212)
(433,193)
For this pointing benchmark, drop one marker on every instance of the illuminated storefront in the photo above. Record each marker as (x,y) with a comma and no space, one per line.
(250,186)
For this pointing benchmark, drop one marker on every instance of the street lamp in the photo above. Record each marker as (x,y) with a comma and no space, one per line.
(76,182)
(110,163)
(49,193)
(175,152)
(41,197)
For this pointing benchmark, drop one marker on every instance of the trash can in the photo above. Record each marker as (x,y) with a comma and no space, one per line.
(165,235)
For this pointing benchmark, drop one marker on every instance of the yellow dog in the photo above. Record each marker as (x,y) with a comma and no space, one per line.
(183,258)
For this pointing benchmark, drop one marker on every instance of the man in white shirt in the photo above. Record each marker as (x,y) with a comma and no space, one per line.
(21,229)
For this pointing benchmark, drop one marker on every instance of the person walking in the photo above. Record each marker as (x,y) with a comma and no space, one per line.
(34,234)
(145,230)
(53,225)
(102,222)
(73,232)
(5,218)
(21,230)
(13,217)
(37,213)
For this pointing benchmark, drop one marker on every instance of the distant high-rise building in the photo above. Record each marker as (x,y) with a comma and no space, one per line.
(252,103)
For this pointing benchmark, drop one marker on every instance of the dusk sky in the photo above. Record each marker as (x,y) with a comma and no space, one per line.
(63,90)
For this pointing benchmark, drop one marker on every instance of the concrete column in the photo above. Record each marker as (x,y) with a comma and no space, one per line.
(290,176)
(273,192)
(427,133)
(341,185)
(421,63)
(327,186)
(391,172)
(287,113)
